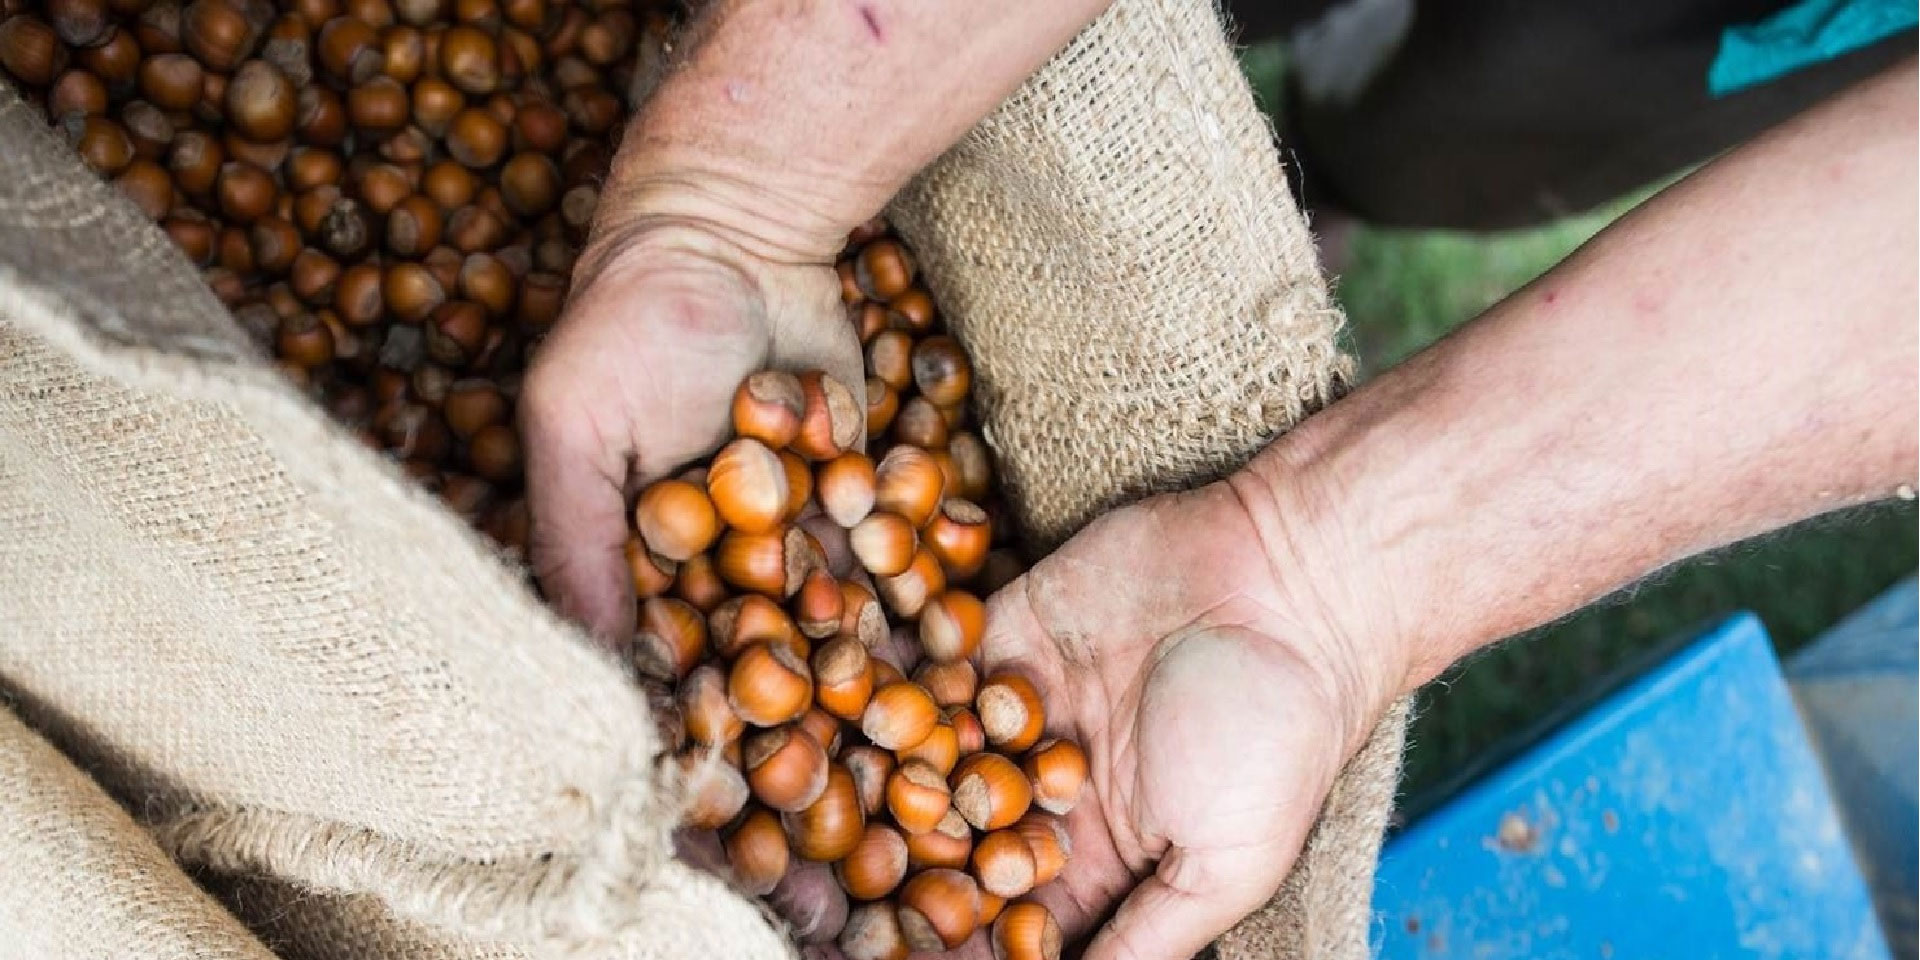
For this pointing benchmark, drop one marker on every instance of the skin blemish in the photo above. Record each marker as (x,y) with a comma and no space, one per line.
(1553,296)
(873,23)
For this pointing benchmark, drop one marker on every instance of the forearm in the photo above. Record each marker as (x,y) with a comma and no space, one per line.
(1736,355)
(804,118)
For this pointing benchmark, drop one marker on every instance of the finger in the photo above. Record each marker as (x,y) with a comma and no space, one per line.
(1185,905)
(575,483)
(811,332)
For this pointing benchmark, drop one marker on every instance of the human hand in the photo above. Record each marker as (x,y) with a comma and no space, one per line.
(669,313)
(1218,686)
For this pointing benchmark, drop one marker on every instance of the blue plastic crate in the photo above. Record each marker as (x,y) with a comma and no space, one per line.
(1683,816)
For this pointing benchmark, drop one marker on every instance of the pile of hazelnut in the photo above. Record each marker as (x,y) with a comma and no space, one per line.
(836,715)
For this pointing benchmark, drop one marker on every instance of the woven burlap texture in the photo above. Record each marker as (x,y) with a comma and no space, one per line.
(288,660)
(83,881)
(1118,248)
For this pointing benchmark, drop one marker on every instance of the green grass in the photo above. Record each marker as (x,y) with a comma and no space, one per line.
(1404,289)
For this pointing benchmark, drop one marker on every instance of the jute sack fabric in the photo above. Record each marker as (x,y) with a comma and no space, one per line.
(285,658)
(1117,247)
(83,881)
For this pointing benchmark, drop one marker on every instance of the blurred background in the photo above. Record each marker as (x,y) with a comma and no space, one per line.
(1403,289)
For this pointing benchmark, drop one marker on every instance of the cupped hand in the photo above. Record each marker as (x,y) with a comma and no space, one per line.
(1217,693)
(668,315)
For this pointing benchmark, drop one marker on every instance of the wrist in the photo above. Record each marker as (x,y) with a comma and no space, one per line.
(1340,608)
(1325,542)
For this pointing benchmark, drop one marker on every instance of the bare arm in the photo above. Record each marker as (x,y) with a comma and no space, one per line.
(1736,355)
(790,122)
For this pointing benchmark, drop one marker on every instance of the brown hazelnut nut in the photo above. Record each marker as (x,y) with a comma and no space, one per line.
(768,406)
(1057,769)
(884,543)
(261,101)
(939,909)
(1010,711)
(877,864)
(845,487)
(148,186)
(951,625)
(873,933)
(948,844)
(830,827)
(871,768)
(908,482)
(769,685)
(884,270)
(899,716)
(219,33)
(959,536)
(921,424)
(676,519)
(907,592)
(990,791)
(823,727)
(350,51)
(776,563)
(670,639)
(941,370)
(742,621)
(940,750)
(952,683)
(966,728)
(757,852)
(699,583)
(748,485)
(171,81)
(470,59)
(653,575)
(918,796)
(883,404)
(786,768)
(843,675)
(1026,931)
(830,424)
(1003,864)
(1047,838)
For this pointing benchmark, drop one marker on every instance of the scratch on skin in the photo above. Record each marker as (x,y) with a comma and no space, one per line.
(873,23)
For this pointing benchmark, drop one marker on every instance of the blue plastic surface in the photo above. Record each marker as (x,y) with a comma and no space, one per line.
(1855,687)
(1684,816)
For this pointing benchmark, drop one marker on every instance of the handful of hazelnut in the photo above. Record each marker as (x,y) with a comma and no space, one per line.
(807,727)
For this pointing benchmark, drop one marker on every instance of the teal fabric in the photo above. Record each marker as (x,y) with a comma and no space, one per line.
(1802,35)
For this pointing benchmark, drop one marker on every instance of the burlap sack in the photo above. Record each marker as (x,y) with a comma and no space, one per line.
(1118,248)
(80,880)
(288,660)
(314,684)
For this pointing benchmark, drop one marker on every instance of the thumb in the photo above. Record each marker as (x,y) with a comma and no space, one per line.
(1191,899)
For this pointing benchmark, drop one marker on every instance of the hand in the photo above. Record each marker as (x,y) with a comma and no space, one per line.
(668,315)
(1217,694)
